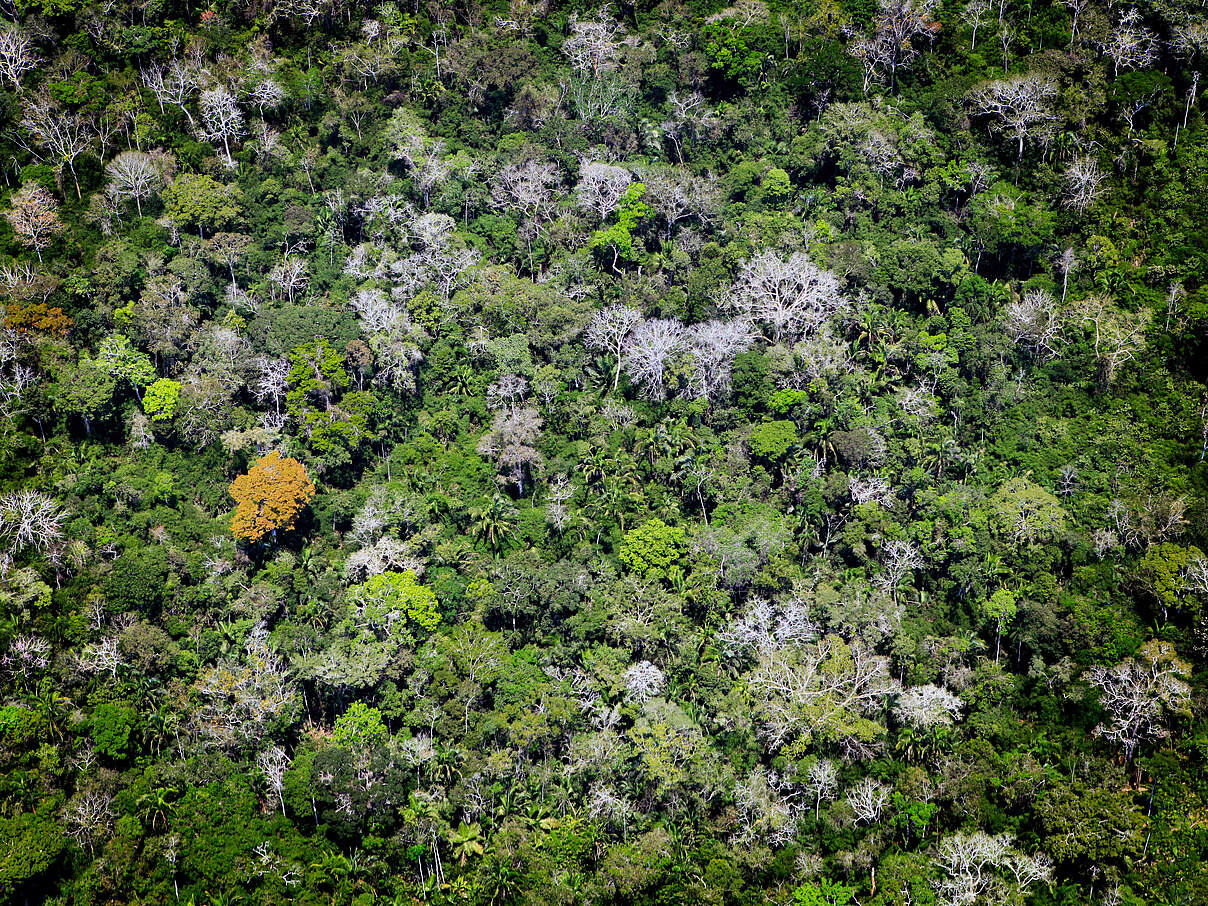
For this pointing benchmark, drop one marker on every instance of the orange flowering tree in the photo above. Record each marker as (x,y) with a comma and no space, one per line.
(270,496)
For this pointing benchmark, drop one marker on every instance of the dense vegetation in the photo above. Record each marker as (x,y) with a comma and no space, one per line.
(665,454)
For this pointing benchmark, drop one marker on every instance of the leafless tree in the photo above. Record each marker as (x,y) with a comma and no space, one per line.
(1083,182)
(18,55)
(89,818)
(894,41)
(265,94)
(793,296)
(768,808)
(714,345)
(273,763)
(924,707)
(1131,45)
(557,509)
(174,83)
(136,175)
(1119,335)
(34,217)
(1139,694)
(899,558)
(594,45)
(601,188)
(822,779)
(764,627)
(867,800)
(239,699)
(30,518)
(291,276)
(1019,106)
(1035,322)
(650,349)
(511,442)
(1076,8)
(221,118)
(973,14)
(644,681)
(63,134)
(609,332)
(982,868)
(675,195)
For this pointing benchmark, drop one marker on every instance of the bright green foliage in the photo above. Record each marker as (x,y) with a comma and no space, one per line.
(823,892)
(651,549)
(618,238)
(197,200)
(113,727)
(1163,572)
(359,728)
(999,611)
(31,844)
(730,56)
(316,376)
(160,399)
(783,401)
(776,185)
(385,601)
(773,440)
(1026,512)
(136,581)
(19,726)
(124,362)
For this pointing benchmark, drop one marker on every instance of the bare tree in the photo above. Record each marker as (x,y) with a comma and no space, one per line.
(893,43)
(594,45)
(1130,45)
(899,558)
(65,135)
(18,55)
(924,707)
(644,681)
(1018,106)
(89,818)
(34,217)
(867,800)
(1035,322)
(973,14)
(650,349)
(136,175)
(291,276)
(675,195)
(714,345)
(1083,182)
(609,332)
(981,868)
(273,763)
(1118,334)
(793,296)
(30,519)
(1140,693)
(601,188)
(221,118)
(822,779)
(174,83)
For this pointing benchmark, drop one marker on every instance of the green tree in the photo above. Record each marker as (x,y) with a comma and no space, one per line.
(360,728)
(113,725)
(161,398)
(201,201)
(651,549)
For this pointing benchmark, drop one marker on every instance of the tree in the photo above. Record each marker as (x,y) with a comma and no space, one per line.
(387,603)
(17,54)
(136,175)
(793,296)
(601,188)
(1083,182)
(609,332)
(1140,694)
(360,728)
(1018,105)
(618,238)
(773,440)
(984,868)
(221,118)
(200,200)
(1118,335)
(1027,513)
(1036,323)
(161,398)
(651,549)
(269,497)
(34,215)
(652,347)
(64,134)
(999,610)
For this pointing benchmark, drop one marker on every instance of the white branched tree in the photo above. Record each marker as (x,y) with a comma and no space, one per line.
(1019,107)
(1140,694)
(793,296)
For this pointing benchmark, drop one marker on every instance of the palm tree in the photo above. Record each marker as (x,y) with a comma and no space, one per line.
(494,523)
(467,841)
(157,805)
